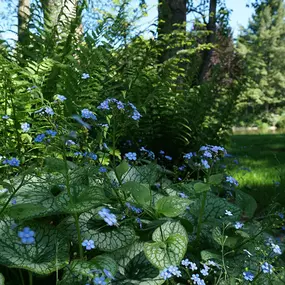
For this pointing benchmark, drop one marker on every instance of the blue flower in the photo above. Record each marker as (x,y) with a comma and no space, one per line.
(138,220)
(88,244)
(207,154)
(238,225)
(87,114)
(49,111)
(5,117)
(185,262)
(108,217)
(12,162)
(27,236)
(174,270)
(168,157)
(205,163)
(131,156)
(276,248)
(188,155)
(60,98)
(108,274)
(25,127)
(231,180)
(133,208)
(70,142)
(136,115)
(267,268)
(104,105)
(165,274)
(92,156)
(102,169)
(197,280)
(51,133)
(99,280)
(193,266)
(281,215)
(228,213)
(182,195)
(14,201)
(181,168)
(248,276)
(39,138)
(85,76)
(205,270)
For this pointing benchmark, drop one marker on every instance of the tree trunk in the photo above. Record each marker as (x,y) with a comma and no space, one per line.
(211,27)
(23,20)
(171,17)
(58,12)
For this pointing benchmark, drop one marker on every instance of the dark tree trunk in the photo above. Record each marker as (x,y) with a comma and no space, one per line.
(171,17)
(23,20)
(211,27)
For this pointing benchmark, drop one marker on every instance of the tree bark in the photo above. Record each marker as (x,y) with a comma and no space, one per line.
(211,27)
(23,20)
(171,17)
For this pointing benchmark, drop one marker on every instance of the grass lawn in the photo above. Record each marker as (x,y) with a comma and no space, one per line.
(258,164)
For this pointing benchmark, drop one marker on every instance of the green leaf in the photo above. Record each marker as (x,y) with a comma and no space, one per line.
(48,254)
(201,187)
(140,192)
(217,236)
(82,269)
(215,208)
(83,199)
(169,246)
(53,164)
(246,202)
(134,268)
(216,179)
(106,238)
(2,279)
(171,206)
(210,255)
(122,168)
(147,174)
(25,211)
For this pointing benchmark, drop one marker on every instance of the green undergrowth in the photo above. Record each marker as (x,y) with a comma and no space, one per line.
(258,163)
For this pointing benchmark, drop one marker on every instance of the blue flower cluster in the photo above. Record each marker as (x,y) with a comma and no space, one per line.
(108,217)
(90,155)
(206,156)
(231,180)
(133,208)
(103,279)
(45,110)
(87,114)
(106,105)
(25,127)
(60,98)
(27,236)
(12,162)
(149,153)
(39,138)
(170,272)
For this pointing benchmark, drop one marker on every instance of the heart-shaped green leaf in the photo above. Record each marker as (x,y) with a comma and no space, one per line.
(171,206)
(83,199)
(170,245)
(48,254)
(140,192)
(134,268)
(201,187)
(106,238)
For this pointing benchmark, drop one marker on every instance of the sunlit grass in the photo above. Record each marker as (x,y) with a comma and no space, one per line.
(264,156)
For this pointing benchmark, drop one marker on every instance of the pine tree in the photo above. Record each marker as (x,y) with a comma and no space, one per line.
(263,48)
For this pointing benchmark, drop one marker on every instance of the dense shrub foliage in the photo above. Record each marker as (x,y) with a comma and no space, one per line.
(75,210)
(111,169)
